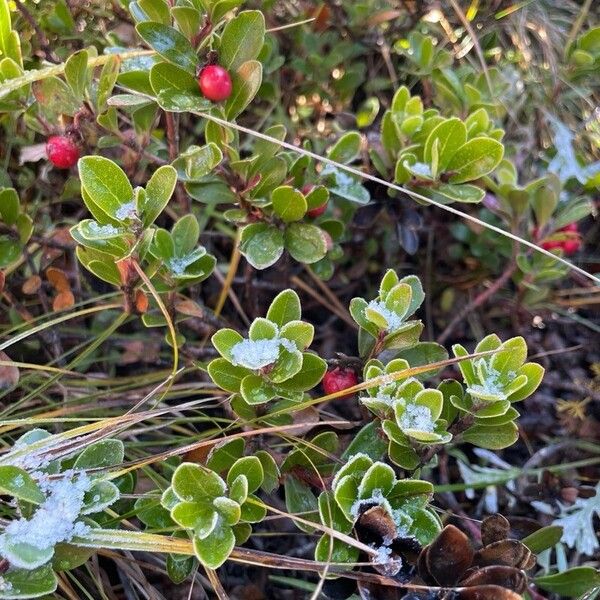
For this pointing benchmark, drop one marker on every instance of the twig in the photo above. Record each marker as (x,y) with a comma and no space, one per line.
(482,298)
(41,36)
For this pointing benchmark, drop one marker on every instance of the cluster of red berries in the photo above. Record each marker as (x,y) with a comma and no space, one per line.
(215,83)
(339,379)
(569,245)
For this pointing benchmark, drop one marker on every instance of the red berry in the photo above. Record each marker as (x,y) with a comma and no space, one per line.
(215,83)
(62,151)
(551,245)
(570,227)
(571,246)
(339,379)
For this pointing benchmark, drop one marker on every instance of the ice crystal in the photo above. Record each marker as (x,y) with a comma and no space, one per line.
(393,320)
(417,417)
(256,354)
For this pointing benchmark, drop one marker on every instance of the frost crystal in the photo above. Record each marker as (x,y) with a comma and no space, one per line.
(5,586)
(417,417)
(102,229)
(55,520)
(126,211)
(179,264)
(256,354)
(393,320)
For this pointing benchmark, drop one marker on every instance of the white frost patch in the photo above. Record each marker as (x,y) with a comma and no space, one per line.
(256,354)
(5,586)
(393,320)
(98,229)
(126,211)
(55,520)
(179,264)
(417,417)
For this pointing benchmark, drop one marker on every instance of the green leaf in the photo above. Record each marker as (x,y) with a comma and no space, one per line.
(571,583)
(106,82)
(284,308)
(379,477)
(313,369)
(242,39)
(251,468)
(543,539)
(99,497)
(25,583)
(306,243)
(299,332)
(213,550)
(105,183)
(224,340)
(535,374)
(370,440)
(76,73)
(288,203)
(193,483)
(271,471)
(18,483)
(159,190)
(246,80)
(170,44)
(261,244)
(347,148)
(491,437)
(9,206)
(299,498)
(451,135)
(224,454)
(448,192)
(185,234)
(55,97)
(478,157)
(197,161)
(227,376)
(102,454)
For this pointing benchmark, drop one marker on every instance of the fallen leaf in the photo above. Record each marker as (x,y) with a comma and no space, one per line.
(63,300)
(58,279)
(32,285)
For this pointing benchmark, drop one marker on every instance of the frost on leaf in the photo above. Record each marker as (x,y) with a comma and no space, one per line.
(393,320)
(417,417)
(29,543)
(257,354)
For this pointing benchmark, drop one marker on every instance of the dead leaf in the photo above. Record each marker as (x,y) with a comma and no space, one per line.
(9,374)
(32,285)
(487,592)
(448,556)
(141,302)
(493,529)
(58,279)
(511,553)
(189,308)
(506,577)
(63,300)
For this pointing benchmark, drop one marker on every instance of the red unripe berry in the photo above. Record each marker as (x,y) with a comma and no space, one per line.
(62,151)
(571,246)
(570,227)
(339,379)
(215,83)
(551,245)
